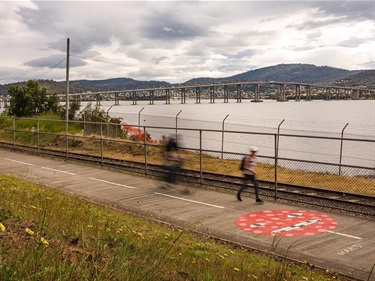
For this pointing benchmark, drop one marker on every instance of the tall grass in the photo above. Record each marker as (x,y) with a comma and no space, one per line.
(48,235)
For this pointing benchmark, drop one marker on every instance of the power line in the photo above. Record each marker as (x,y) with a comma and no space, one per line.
(49,70)
(114,63)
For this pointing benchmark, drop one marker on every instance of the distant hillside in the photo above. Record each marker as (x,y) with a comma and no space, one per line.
(364,78)
(80,86)
(302,73)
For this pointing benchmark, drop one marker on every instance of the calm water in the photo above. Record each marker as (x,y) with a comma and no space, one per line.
(318,118)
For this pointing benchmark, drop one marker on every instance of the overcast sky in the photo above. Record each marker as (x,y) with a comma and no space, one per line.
(175,41)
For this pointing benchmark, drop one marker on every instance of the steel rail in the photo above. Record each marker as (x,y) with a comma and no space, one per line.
(348,202)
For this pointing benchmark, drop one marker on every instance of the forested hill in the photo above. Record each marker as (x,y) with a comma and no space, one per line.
(303,73)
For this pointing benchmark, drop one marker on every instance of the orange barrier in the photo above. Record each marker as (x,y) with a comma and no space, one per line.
(134,133)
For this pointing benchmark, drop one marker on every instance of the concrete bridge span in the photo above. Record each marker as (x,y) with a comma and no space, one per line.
(253,91)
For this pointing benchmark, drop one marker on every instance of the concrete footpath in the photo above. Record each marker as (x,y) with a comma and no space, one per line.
(335,241)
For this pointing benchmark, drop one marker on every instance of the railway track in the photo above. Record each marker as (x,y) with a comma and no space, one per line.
(346,202)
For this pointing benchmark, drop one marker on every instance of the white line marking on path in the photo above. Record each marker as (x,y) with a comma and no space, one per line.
(19,162)
(346,235)
(188,200)
(113,183)
(58,171)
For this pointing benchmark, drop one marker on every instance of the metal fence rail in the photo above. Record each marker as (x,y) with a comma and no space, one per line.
(211,151)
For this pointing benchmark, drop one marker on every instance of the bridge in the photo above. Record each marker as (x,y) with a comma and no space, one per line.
(255,91)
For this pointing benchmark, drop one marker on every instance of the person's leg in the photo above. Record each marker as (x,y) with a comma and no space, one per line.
(238,195)
(256,188)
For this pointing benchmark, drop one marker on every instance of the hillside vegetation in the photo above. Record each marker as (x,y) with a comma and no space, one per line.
(303,73)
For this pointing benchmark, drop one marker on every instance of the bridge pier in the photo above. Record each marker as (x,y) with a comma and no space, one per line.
(226,93)
(355,94)
(98,98)
(239,93)
(256,93)
(197,95)
(298,92)
(152,97)
(308,93)
(281,93)
(212,94)
(167,96)
(134,95)
(117,100)
(183,95)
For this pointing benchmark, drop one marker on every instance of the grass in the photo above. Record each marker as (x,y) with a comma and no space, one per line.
(48,235)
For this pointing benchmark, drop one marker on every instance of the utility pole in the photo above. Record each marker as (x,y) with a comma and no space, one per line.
(67,82)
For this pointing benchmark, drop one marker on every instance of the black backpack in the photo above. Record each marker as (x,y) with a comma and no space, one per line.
(243,163)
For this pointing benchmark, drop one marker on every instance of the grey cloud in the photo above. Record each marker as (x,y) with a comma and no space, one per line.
(351,10)
(352,42)
(369,65)
(169,27)
(54,61)
(314,35)
(159,59)
(247,53)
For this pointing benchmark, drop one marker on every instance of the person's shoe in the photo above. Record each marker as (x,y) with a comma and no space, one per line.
(259,201)
(238,196)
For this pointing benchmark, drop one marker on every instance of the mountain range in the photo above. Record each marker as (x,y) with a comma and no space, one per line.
(301,73)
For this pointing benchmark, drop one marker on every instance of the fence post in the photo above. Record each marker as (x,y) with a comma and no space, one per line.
(38,138)
(139,118)
(145,149)
(222,136)
(101,142)
(277,141)
(341,145)
(14,132)
(66,139)
(176,121)
(200,157)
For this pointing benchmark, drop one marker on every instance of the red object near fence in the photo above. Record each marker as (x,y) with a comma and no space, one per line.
(134,133)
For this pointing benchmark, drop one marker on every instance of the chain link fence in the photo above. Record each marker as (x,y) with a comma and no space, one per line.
(329,162)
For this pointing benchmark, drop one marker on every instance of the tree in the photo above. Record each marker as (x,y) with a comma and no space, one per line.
(31,100)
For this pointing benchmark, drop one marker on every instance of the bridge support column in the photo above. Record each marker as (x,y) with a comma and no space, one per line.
(212,94)
(117,101)
(308,93)
(328,94)
(256,93)
(226,93)
(239,93)
(152,97)
(167,96)
(183,95)
(197,95)
(281,94)
(134,95)
(298,92)
(355,94)
(98,98)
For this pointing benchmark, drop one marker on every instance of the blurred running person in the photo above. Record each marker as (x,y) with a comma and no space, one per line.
(172,161)
(249,174)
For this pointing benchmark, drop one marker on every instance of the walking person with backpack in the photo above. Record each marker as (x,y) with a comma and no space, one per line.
(248,164)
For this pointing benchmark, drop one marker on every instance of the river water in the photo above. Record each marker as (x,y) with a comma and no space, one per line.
(313,118)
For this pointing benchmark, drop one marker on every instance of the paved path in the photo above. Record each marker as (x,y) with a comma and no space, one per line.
(335,241)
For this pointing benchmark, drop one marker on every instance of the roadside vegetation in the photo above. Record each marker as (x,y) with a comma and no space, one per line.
(47,235)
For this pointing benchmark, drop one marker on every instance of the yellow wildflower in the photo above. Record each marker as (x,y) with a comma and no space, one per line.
(44,241)
(29,231)
(2,227)
(236,269)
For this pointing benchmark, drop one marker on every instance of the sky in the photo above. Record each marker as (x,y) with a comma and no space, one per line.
(175,41)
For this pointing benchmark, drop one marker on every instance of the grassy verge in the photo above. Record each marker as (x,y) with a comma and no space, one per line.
(47,235)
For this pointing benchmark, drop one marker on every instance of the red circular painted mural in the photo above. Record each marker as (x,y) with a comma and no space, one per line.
(286,223)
